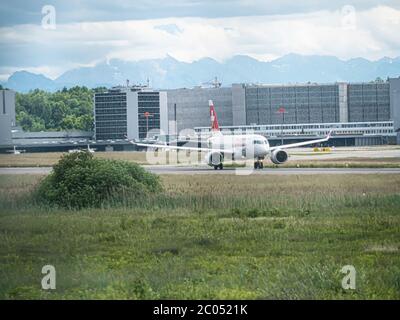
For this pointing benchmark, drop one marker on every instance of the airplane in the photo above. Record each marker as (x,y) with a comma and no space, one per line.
(240,146)
(15,151)
(89,149)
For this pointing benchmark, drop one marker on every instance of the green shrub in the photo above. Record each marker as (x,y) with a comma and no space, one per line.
(255,212)
(78,180)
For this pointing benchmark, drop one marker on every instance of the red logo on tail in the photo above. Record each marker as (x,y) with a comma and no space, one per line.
(213,117)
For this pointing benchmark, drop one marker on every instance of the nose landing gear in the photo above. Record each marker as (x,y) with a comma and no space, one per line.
(220,166)
(258,164)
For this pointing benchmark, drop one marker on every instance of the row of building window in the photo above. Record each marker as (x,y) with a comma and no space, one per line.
(107,117)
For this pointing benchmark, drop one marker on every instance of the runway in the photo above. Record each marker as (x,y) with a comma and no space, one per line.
(190,170)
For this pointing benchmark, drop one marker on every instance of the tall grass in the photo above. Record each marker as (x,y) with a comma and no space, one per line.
(240,196)
(208,237)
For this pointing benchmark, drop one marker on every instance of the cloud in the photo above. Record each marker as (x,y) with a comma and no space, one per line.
(370,33)
(13,12)
(170,28)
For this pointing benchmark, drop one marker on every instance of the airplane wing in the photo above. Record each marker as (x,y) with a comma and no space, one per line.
(299,144)
(163,146)
(14,151)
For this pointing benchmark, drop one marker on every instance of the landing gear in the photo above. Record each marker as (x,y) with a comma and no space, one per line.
(220,166)
(258,164)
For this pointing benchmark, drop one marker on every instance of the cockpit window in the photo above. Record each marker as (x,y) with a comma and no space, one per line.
(259,141)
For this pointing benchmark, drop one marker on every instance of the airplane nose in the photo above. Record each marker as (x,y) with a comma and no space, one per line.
(263,151)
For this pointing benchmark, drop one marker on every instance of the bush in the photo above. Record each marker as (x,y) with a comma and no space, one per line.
(78,180)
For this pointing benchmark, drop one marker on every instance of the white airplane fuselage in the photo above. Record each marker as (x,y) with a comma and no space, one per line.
(244,146)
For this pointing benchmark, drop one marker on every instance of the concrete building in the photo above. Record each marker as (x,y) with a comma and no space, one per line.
(152,114)
(312,103)
(7,116)
(302,104)
(373,106)
(129,112)
(394,97)
(369,102)
(255,104)
(189,107)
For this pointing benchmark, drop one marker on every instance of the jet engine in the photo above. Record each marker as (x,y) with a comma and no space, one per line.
(214,158)
(279,156)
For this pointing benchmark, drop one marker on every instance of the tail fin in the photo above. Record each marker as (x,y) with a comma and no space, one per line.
(213,117)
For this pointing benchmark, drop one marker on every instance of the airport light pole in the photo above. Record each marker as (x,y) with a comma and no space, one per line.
(176,125)
(147,115)
(176,130)
(282,111)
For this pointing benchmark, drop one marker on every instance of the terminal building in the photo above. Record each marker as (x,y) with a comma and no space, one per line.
(188,108)
(312,103)
(359,113)
(129,112)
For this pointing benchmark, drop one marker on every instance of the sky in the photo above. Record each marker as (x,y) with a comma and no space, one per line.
(50,37)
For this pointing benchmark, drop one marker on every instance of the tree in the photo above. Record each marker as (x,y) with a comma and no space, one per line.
(58,112)
(85,122)
(65,109)
(68,122)
(29,122)
(24,120)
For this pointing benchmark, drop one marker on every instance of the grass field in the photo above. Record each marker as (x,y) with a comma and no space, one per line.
(234,237)
(46,159)
(50,158)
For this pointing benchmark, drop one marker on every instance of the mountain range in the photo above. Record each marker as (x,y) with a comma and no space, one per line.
(169,73)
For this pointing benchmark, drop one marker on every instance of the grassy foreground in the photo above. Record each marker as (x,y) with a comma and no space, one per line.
(234,237)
